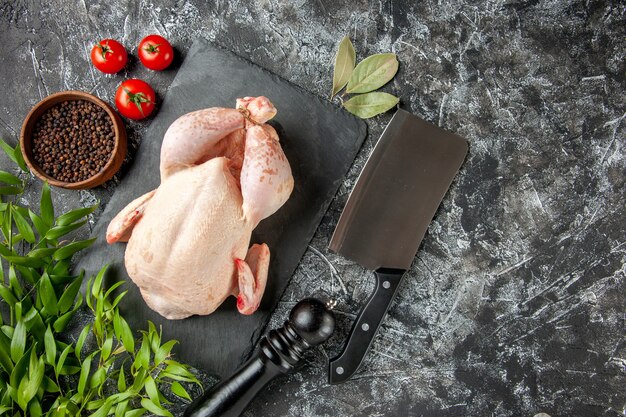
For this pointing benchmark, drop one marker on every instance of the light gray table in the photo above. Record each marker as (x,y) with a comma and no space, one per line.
(515,303)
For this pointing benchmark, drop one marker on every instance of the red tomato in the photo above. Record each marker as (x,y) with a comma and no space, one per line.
(155,52)
(135,99)
(109,56)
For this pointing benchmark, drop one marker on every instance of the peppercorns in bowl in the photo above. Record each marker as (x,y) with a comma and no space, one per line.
(73,140)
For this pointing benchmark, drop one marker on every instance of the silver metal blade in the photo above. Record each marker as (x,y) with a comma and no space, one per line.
(398,193)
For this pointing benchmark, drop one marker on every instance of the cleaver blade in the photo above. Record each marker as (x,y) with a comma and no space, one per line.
(387,214)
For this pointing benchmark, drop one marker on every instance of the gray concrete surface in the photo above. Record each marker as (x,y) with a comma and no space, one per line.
(515,304)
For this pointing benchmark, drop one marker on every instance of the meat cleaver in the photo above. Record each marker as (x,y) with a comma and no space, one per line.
(386,217)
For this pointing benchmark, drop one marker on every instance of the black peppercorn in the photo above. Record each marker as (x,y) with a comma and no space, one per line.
(73,140)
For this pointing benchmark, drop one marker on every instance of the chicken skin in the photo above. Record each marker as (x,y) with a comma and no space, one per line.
(222,172)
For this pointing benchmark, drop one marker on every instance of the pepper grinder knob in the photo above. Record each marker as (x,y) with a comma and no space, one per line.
(310,323)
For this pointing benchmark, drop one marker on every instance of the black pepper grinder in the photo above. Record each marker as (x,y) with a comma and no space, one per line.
(311,322)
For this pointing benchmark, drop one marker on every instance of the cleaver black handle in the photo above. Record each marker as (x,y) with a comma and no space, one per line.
(310,323)
(366,325)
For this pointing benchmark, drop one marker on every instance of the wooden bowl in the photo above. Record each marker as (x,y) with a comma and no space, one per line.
(110,168)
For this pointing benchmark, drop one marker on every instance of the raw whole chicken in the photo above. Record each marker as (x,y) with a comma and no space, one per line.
(222,171)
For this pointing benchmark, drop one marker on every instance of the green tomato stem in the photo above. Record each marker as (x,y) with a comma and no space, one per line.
(152,48)
(137,99)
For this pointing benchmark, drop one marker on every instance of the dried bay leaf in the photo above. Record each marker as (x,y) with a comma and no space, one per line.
(370,104)
(372,73)
(344,65)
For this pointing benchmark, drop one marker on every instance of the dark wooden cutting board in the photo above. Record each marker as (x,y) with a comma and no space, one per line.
(320,141)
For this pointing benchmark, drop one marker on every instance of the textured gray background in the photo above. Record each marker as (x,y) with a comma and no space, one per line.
(515,304)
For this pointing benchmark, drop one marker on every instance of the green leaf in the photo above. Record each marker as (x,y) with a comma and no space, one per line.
(19,370)
(178,390)
(22,391)
(372,73)
(26,261)
(61,323)
(118,299)
(58,231)
(71,216)
(123,332)
(23,210)
(122,397)
(49,385)
(19,158)
(17,313)
(106,349)
(8,149)
(370,104)
(92,405)
(7,226)
(140,377)
(28,274)
(121,380)
(175,369)
(98,328)
(69,295)
(35,365)
(7,331)
(48,295)
(11,190)
(64,408)
(151,390)
(40,253)
(34,323)
(84,374)
(14,154)
(163,351)
(155,409)
(120,408)
(103,411)
(344,65)
(5,359)
(7,295)
(113,288)
(17,238)
(18,341)
(81,340)
(61,363)
(67,251)
(14,283)
(29,386)
(50,346)
(40,225)
(34,409)
(23,227)
(47,211)
(62,280)
(97,282)
(10,179)
(142,360)
(154,336)
(136,413)
(12,396)
(61,268)
(98,378)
